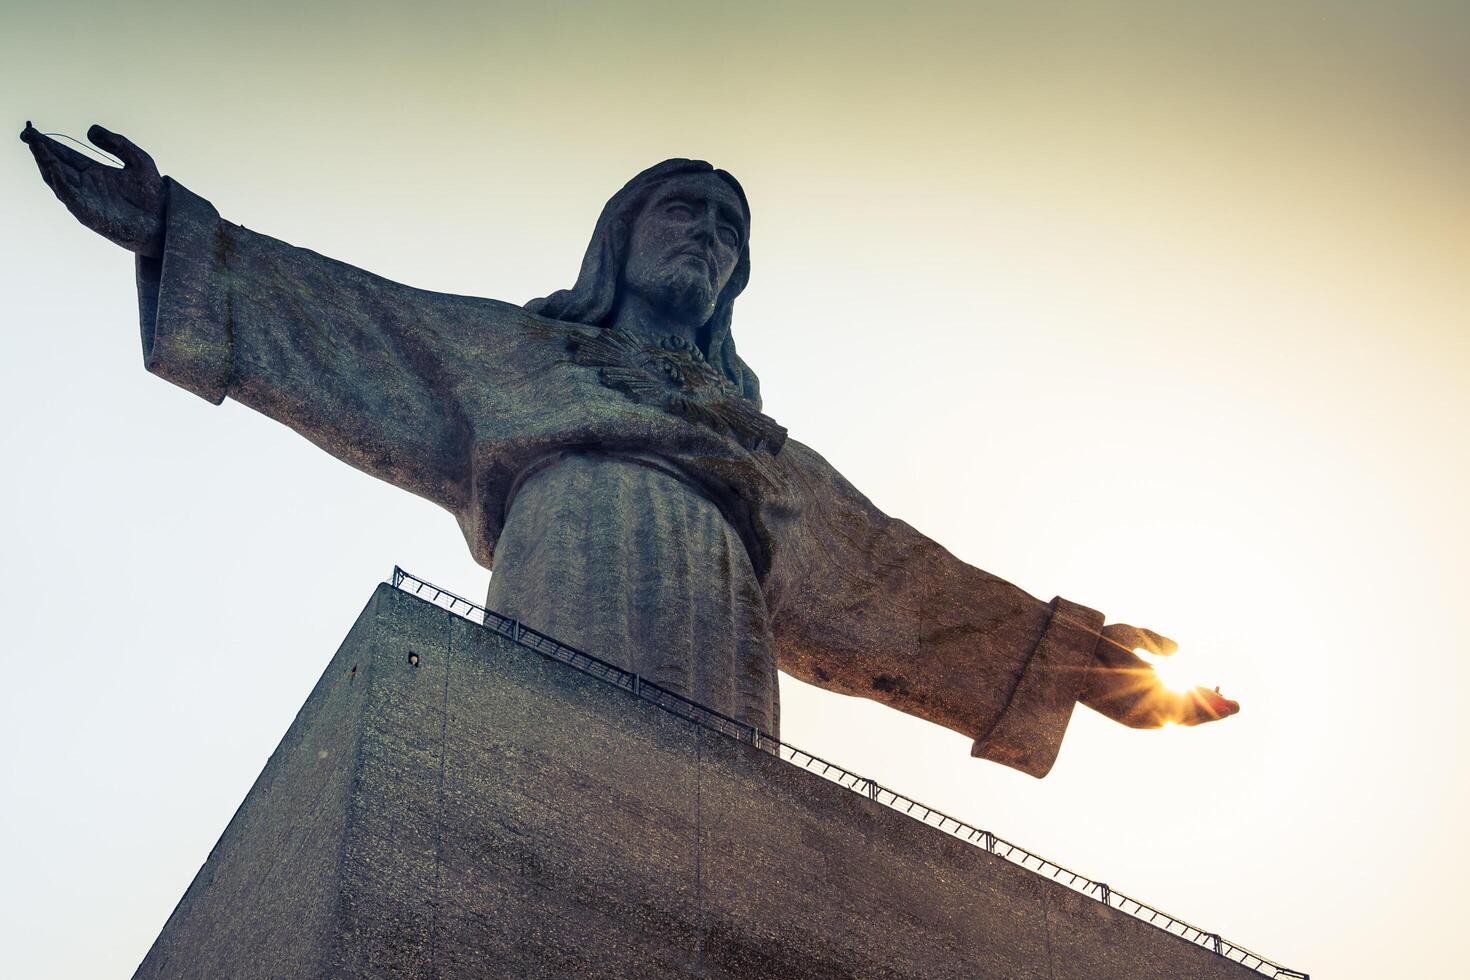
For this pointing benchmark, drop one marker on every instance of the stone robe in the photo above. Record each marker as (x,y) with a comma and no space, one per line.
(628,504)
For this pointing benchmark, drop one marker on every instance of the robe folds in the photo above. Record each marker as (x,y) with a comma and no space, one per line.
(691,543)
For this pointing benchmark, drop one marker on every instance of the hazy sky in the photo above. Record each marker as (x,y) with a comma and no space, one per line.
(1157,306)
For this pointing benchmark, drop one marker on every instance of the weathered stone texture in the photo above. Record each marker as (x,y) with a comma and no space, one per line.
(490,813)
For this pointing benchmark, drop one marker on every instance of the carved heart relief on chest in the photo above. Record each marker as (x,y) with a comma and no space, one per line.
(673,375)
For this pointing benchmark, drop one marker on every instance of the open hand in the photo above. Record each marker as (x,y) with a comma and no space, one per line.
(1125,688)
(124,204)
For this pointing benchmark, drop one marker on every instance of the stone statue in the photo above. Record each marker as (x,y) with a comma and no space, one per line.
(605,453)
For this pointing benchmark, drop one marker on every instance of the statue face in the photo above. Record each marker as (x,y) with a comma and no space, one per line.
(684,245)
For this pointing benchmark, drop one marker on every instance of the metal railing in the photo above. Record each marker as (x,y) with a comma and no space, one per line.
(751,735)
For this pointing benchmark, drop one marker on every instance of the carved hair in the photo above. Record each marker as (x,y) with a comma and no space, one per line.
(593,297)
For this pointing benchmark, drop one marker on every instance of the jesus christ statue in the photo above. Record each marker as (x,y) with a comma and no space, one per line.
(605,453)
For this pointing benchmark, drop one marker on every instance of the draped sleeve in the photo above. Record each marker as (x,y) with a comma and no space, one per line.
(865,605)
(399,382)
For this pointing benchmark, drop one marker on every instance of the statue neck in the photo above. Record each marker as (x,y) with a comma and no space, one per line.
(635,316)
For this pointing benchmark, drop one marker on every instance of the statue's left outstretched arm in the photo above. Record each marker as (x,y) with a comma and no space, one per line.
(865,605)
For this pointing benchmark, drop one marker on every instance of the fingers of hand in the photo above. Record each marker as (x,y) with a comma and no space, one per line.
(1202,705)
(121,147)
(1158,644)
(61,178)
(1138,638)
(60,154)
(1115,648)
(61,168)
(138,185)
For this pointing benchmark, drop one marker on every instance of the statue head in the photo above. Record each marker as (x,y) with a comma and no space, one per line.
(646,241)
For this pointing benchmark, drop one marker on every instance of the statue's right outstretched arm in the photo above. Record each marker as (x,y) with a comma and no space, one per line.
(381,375)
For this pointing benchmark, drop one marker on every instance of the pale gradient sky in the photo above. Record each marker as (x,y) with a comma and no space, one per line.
(1157,306)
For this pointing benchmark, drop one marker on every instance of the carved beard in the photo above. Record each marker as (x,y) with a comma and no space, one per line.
(682,289)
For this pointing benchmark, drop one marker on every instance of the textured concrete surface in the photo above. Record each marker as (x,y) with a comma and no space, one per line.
(490,813)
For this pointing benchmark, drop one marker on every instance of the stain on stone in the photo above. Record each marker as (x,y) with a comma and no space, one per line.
(889,684)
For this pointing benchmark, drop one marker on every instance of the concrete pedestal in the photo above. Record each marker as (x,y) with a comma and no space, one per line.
(493,813)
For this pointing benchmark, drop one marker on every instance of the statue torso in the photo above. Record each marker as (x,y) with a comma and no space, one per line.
(626,558)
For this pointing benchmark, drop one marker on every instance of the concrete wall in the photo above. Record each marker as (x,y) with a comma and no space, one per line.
(490,813)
